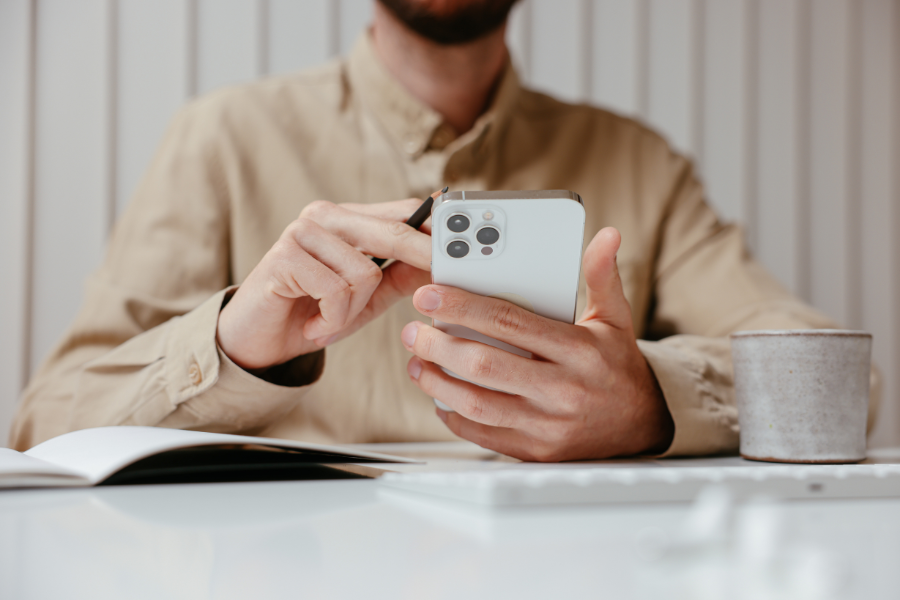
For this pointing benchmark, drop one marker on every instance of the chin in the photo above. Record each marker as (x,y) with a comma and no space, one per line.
(445,7)
(451,21)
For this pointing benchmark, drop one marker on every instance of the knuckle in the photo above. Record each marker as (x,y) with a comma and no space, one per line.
(397,229)
(371,274)
(571,396)
(588,355)
(557,431)
(472,406)
(547,452)
(337,288)
(481,363)
(508,319)
(316,208)
(301,227)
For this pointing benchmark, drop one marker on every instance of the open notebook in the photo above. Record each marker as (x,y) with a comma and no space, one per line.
(123,455)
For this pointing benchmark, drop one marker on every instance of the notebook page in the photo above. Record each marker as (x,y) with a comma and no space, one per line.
(19,470)
(98,453)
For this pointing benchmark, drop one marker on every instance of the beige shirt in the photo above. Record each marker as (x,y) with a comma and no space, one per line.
(237,166)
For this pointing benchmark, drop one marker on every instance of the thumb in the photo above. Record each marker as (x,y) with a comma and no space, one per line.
(605,297)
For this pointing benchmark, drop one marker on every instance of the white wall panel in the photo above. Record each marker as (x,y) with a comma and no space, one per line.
(673,71)
(789,106)
(228,44)
(153,79)
(617,46)
(830,243)
(15,198)
(779,227)
(877,195)
(518,36)
(558,63)
(72,177)
(353,17)
(299,34)
(726,104)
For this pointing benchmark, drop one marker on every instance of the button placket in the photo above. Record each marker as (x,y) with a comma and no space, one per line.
(411,146)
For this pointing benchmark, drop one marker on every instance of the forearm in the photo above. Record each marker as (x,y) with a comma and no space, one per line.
(172,375)
(695,374)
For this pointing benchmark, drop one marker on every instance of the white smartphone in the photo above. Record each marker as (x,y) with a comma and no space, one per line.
(523,247)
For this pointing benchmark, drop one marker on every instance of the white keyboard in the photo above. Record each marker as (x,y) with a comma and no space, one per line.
(549,486)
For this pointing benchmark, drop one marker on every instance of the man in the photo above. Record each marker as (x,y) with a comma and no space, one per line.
(427,97)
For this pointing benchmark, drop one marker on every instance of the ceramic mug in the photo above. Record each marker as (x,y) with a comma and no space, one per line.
(802,395)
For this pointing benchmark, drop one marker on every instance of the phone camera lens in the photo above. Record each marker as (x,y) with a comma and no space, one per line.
(457,248)
(487,236)
(458,223)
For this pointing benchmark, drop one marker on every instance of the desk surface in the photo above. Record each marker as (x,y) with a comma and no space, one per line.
(353,539)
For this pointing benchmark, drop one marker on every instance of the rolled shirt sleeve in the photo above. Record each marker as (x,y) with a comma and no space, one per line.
(706,286)
(142,348)
(175,375)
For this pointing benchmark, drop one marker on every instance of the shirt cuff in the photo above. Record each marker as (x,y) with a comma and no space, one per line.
(694,374)
(218,394)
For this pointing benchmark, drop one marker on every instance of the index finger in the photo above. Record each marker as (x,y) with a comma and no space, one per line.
(401,210)
(375,236)
(498,319)
(398,210)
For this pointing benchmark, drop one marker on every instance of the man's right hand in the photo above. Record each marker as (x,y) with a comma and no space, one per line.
(316,285)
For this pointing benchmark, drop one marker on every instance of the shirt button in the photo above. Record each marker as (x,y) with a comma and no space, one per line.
(195,374)
(411,146)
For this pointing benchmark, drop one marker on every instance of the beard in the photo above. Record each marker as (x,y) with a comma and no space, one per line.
(461,22)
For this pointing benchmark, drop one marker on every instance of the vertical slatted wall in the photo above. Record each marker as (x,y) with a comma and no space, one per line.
(791,109)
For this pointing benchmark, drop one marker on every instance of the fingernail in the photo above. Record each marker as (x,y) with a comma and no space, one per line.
(441,415)
(408,335)
(327,341)
(414,368)
(429,300)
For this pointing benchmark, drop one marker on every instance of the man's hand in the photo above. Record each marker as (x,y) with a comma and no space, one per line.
(316,285)
(587,393)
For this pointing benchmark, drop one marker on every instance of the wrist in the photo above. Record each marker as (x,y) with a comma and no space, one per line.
(657,424)
(224,340)
(229,339)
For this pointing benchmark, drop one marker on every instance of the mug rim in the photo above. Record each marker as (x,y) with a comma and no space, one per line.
(801,332)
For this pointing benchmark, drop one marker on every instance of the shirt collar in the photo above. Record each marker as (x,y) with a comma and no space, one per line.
(411,124)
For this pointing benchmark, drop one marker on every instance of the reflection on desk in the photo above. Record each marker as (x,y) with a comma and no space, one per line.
(347,539)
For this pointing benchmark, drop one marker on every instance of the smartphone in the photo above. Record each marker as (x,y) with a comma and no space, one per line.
(520,246)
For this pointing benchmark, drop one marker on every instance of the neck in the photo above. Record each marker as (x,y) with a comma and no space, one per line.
(457,81)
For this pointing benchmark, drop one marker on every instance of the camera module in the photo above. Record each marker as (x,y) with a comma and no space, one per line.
(458,223)
(457,248)
(487,236)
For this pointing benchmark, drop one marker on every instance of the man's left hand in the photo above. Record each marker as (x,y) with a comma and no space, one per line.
(587,392)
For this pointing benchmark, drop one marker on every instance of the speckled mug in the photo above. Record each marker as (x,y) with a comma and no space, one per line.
(802,395)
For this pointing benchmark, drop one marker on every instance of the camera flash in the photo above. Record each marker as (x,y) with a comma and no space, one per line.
(488,216)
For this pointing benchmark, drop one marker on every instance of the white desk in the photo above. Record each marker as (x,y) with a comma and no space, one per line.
(351,539)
